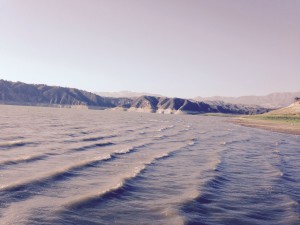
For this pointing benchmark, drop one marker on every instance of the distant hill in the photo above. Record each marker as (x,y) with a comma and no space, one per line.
(274,100)
(178,106)
(19,93)
(40,94)
(125,94)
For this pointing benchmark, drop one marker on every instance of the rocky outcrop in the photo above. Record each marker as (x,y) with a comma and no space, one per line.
(144,104)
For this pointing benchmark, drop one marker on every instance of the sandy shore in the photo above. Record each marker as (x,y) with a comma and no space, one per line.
(277,126)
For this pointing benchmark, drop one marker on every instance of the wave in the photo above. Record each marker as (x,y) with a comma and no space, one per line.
(198,207)
(23,159)
(183,131)
(210,178)
(165,128)
(53,176)
(98,138)
(64,173)
(76,128)
(101,144)
(127,150)
(160,136)
(163,136)
(12,144)
(123,185)
(235,141)
(118,189)
(86,139)
(280,142)
(191,143)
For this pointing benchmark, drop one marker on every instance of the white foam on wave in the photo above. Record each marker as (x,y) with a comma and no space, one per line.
(124,151)
(166,128)
(129,149)
(235,141)
(159,136)
(191,143)
(215,163)
(173,216)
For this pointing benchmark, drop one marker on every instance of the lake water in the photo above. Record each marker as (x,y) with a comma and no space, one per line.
(85,167)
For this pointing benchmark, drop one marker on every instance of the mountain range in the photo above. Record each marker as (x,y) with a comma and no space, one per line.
(19,93)
(179,106)
(39,94)
(273,100)
(126,94)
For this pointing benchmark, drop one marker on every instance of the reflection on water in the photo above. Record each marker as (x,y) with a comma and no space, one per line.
(64,166)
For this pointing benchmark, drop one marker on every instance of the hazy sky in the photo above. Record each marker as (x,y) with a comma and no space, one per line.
(181,48)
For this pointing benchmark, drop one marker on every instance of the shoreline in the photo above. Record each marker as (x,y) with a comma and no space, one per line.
(275,126)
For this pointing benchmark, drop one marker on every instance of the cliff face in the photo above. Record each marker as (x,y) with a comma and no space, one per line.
(32,94)
(170,103)
(144,104)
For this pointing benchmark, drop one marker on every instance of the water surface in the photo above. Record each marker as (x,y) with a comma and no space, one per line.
(64,166)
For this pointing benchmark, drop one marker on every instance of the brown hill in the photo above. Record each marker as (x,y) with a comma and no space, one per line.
(293,109)
(39,94)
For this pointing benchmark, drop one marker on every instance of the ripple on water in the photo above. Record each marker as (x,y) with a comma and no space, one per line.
(159,169)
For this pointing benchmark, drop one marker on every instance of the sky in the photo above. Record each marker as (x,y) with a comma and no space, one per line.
(182,48)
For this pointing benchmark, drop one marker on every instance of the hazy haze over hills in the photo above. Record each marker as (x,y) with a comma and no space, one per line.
(273,100)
